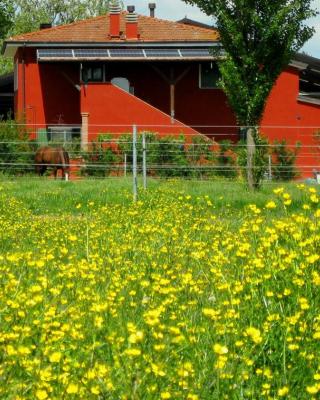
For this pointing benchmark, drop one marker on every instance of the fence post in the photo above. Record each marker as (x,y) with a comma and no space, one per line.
(270,168)
(125,164)
(144,149)
(134,163)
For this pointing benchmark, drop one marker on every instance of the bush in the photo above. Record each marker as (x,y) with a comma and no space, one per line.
(102,159)
(226,160)
(16,150)
(284,159)
(201,157)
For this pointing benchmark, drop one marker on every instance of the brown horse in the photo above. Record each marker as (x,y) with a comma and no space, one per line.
(55,157)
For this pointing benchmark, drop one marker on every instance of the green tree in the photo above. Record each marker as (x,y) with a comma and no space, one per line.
(260,38)
(56,12)
(6,16)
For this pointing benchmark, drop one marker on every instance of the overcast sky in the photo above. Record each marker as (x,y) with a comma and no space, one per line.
(177,9)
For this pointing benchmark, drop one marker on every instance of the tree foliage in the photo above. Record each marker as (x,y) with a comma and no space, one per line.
(260,38)
(6,17)
(56,12)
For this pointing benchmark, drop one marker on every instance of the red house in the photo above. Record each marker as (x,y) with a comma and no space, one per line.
(104,74)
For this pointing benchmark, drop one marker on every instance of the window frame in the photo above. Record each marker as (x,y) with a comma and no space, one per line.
(200,80)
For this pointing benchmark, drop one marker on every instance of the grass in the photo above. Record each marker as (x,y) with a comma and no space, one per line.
(46,196)
(199,291)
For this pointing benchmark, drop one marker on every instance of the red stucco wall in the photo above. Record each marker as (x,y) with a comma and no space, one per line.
(51,98)
(287,118)
(112,110)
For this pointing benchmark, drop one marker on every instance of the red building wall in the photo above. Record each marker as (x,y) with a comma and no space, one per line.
(50,96)
(288,118)
(113,110)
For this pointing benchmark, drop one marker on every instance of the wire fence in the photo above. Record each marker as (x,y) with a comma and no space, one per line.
(144,152)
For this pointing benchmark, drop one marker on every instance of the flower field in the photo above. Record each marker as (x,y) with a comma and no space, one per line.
(168,298)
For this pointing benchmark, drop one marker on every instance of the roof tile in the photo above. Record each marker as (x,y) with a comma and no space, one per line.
(96,30)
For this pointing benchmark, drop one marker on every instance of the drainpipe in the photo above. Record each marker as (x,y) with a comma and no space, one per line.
(172,95)
(24,81)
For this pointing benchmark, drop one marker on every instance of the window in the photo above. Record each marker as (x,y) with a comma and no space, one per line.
(209,75)
(63,134)
(92,73)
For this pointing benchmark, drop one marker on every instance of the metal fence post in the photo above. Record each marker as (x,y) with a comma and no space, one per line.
(144,149)
(270,168)
(134,162)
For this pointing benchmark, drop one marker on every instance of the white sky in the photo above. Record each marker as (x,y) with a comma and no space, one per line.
(177,9)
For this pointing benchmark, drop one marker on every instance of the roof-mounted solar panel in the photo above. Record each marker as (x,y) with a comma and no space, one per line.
(91,53)
(127,53)
(162,53)
(196,52)
(82,54)
(55,53)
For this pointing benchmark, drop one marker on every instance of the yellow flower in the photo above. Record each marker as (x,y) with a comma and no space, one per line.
(133,352)
(136,337)
(95,390)
(219,349)
(55,357)
(283,391)
(271,205)
(41,394)
(165,395)
(254,334)
(72,388)
(313,389)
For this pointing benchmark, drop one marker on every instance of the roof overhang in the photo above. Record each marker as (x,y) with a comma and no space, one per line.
(10,48)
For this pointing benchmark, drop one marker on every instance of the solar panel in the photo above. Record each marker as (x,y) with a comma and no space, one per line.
(159,53)
(55,53)
(91,53)
(196,52)
(127,53)
(118,53)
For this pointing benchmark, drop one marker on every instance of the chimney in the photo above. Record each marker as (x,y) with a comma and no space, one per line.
(131,24)
(152,7)
(115,11)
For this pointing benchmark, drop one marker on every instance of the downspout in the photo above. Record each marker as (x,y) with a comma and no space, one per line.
(24,80)
(172,95)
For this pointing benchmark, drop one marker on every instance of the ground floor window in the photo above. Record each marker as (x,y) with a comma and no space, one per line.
(63,134)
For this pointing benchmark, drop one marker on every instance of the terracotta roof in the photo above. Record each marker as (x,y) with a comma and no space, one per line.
(97,30)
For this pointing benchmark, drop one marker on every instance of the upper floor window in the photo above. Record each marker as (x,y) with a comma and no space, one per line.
(92,73)
(209,75)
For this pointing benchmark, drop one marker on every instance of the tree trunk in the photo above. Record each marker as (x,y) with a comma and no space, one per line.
(251,150)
